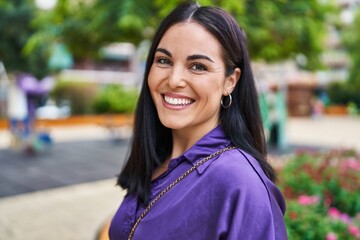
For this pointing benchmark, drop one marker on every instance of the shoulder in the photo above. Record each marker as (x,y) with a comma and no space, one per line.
(237,167)
(245,188)
(241,175)
(238,173)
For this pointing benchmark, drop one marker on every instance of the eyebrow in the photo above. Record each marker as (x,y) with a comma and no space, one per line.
(189,58)
(198,56)
(166,52)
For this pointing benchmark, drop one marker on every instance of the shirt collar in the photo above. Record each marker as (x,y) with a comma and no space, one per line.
(208,144)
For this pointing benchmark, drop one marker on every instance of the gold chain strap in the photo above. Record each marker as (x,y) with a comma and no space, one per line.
(152,203)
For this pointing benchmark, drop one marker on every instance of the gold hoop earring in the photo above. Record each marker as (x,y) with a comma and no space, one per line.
(229,104)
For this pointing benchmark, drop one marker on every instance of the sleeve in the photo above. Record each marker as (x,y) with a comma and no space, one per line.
(249,217)
(254,207)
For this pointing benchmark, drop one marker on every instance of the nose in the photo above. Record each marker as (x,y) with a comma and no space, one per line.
(177,78)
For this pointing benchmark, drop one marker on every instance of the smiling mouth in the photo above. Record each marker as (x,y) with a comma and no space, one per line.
(177,101)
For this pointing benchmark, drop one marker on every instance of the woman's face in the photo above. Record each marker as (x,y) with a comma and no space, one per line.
(187,79)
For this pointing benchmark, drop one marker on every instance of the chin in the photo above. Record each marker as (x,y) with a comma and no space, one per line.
(172,125)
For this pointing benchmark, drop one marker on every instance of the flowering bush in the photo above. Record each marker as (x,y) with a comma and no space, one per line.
(323,195)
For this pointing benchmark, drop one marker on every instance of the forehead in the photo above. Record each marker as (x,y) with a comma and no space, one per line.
(191,38)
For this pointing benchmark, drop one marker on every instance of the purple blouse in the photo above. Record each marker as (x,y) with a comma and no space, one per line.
(228,197)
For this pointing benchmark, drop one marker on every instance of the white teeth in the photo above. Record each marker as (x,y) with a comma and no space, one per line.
(177,101)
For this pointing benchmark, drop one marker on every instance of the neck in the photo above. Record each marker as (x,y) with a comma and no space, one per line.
(183,139)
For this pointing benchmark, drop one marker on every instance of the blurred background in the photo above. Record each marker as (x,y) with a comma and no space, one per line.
(70,74)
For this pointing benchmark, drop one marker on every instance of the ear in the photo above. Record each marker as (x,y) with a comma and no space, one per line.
(231,81)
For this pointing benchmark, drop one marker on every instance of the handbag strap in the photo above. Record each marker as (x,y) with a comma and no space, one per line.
(162,193)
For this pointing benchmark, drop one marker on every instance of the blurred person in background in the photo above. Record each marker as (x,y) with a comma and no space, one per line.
(197,167)
(17,111)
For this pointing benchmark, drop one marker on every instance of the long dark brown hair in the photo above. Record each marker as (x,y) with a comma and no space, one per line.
(152,141)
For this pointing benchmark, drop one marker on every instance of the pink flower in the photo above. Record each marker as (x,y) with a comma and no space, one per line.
(345,218)
(308,200)
(331,236)
(334,213)
(353,230)
(351,163)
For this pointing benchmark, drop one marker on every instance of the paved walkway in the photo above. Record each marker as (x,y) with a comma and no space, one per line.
(69,213)
(77,211)
(334,132)
(65,193)
(89,155)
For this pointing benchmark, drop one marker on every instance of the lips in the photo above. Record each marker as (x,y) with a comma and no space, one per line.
(177,101)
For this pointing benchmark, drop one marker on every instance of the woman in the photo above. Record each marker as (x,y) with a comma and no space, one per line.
(198,110)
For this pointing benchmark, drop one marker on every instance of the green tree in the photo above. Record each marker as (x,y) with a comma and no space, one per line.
(282,29)
(86,26)
(276,30)
(72,23)
(351,40)
(15,29)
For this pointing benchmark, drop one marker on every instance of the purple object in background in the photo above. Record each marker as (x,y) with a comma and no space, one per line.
(30,85)
(34,89)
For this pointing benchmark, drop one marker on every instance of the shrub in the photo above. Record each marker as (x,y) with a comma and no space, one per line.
(313,222)
(322,193)
(79,94)
(300,218)
(344,93)
(115,99)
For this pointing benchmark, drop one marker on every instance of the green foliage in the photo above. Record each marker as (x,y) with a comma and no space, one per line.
(86,26)
(276,29)
(353,109)
(115,99)
(344,93)
(79,94)
(334,176)
(322,192)
(297,177)
(73,23)
(351,39)
(134,20)
(313,222)
(347,93)
(87,98)
(300,219)
(15,29)
(283,29)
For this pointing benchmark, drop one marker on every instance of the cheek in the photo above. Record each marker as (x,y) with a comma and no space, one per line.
(153,83)
(212,88)
(152,80)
